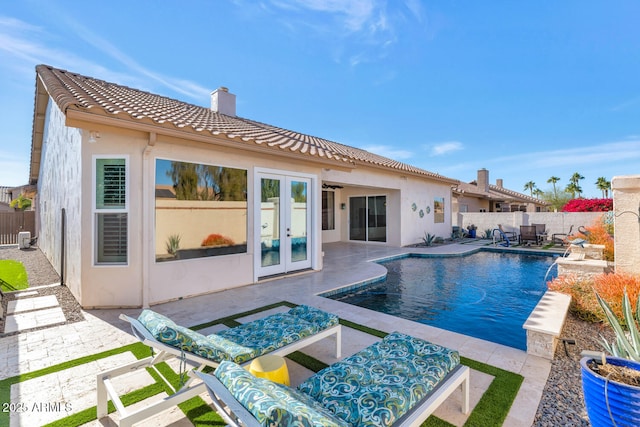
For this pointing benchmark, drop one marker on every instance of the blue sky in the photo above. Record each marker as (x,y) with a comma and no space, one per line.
(527,90)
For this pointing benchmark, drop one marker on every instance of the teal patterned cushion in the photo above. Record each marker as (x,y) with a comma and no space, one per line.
(270,403)
(320,319)
(218,348)
(166,331)
(381,383)
(245,342)
(270,333)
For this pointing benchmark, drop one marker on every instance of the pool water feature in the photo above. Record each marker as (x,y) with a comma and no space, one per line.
(487,294)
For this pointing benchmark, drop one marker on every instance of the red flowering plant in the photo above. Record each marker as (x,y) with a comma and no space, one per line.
(588,205)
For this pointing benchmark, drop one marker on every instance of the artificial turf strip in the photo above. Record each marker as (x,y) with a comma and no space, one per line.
(13,276)
(491,410)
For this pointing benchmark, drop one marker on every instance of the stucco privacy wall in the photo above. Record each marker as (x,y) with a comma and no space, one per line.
(555,222)
(59,188)
(626,207)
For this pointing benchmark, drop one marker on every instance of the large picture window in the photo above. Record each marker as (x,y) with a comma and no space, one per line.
(111,211)
(201,210)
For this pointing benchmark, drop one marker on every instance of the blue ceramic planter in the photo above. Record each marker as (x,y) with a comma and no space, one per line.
(608,401)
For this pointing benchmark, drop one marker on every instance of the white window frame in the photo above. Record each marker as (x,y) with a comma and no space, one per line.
(95,211)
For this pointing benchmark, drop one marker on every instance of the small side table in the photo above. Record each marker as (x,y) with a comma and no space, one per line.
(271,367)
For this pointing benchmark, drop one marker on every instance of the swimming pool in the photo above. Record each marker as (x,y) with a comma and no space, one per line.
(487,295)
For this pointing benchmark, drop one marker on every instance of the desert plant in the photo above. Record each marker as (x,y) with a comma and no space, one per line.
(611,287)
(173,244)
(598,234)
(428,239)
(488,233)
(626,345)
(217,240)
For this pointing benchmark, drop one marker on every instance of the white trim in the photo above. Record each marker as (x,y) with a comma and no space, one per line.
(314,203)
(95,210)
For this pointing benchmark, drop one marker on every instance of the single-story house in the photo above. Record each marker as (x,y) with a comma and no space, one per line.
(144,199)
(481,196)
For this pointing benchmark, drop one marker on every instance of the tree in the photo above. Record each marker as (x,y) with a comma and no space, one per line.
(575,180)
(553,181)
(538,192)
(572,188)
(604,186)
(22,203)
(557,200)
(531,186)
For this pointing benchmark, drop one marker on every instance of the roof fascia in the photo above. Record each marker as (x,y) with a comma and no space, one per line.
(37,131)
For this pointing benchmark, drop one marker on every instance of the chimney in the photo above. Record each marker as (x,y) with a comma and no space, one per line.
(223,102)
(499,183)
(483,180)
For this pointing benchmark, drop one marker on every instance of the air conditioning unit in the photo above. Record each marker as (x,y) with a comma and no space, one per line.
(24,239)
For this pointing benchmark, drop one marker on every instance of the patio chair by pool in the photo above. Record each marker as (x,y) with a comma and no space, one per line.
(511,235)
(528,234)
(279,334)
(398,381)
(541,232)
(561,238)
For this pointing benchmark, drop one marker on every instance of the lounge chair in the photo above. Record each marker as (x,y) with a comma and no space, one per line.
(398,381)
(528,234)
(280,334)
(561,238)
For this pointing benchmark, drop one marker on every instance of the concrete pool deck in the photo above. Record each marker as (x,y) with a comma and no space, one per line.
(344,264)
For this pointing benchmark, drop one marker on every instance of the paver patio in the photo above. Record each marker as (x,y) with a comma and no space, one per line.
(344,264)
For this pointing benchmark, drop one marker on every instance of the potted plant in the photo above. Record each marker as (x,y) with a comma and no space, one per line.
(472,231)
(611,384)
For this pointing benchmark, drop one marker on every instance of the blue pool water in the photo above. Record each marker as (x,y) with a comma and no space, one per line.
(487,295)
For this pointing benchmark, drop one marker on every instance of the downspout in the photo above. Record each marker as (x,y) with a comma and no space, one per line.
(147,185)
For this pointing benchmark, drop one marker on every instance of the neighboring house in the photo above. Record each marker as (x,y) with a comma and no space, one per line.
(480,196)
(5,199)
(161,199)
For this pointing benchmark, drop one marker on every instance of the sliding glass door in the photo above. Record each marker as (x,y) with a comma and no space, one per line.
(368,218)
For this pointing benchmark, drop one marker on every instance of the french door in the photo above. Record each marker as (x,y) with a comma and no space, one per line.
(285,223)
(368,218)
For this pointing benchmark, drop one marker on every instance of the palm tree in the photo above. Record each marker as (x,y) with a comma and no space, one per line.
(604,186)
(22,203)
(538,192)
(575,179)
(572,188)
(530,186)
(553,181)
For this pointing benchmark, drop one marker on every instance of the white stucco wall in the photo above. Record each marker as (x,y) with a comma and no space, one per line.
(59,188)
(626,205)
(404,225)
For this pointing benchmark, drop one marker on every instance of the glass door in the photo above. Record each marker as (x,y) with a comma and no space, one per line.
(285,224)
(368,218)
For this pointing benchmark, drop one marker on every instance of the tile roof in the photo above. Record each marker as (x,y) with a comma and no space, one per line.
(72,91)
(496,193)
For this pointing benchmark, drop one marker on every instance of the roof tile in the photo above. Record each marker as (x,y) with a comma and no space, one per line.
(74,91)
